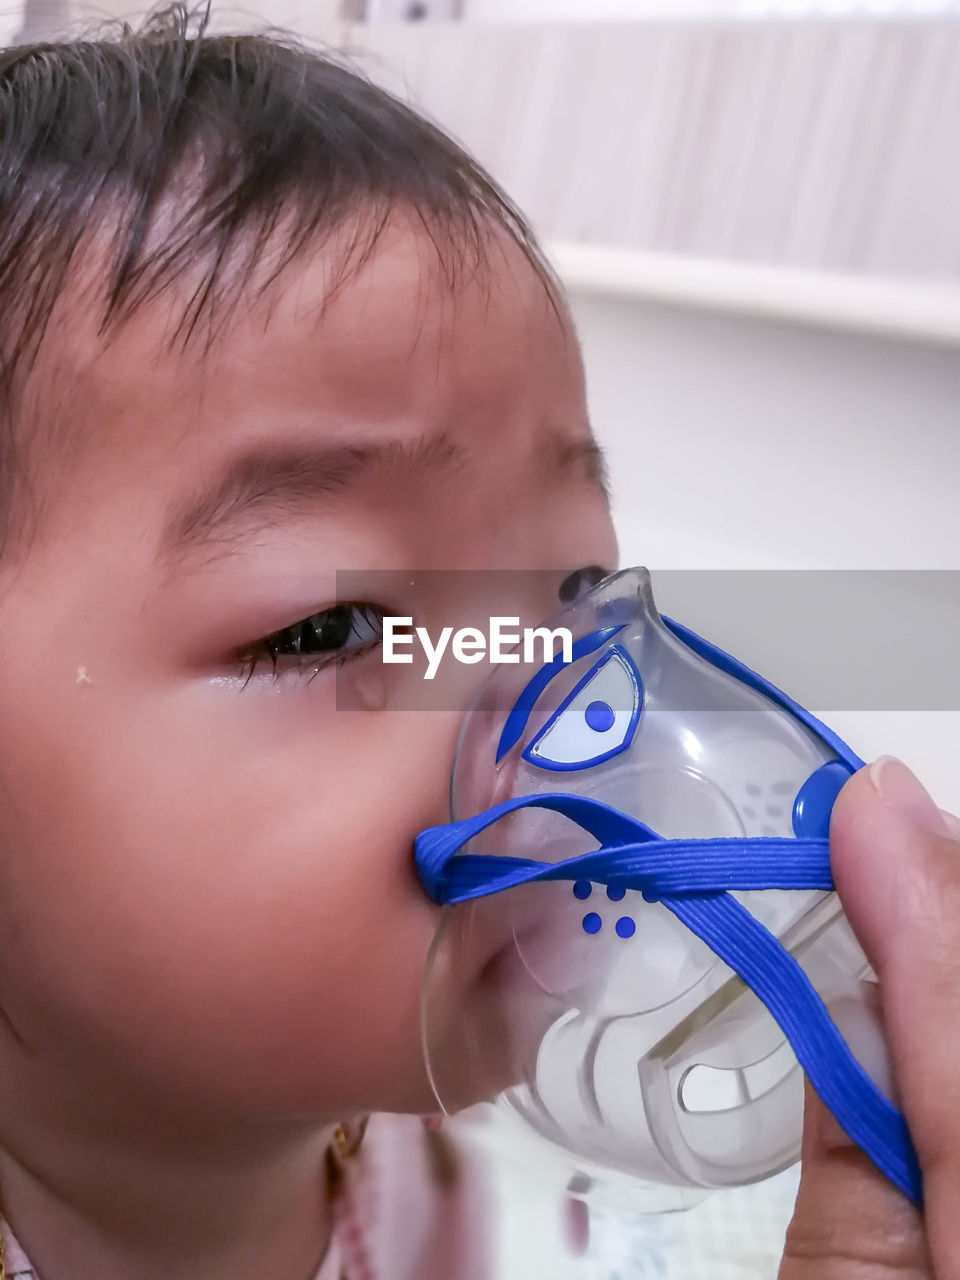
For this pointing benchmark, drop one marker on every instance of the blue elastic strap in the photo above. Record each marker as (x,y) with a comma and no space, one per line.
(691,879)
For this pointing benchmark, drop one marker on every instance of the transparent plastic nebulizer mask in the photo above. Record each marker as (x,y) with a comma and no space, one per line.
(644,938)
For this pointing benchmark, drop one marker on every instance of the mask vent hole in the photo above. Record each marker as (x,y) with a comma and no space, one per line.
(704,1089)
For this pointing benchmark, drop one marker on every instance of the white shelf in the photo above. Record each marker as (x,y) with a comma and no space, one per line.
(899,308)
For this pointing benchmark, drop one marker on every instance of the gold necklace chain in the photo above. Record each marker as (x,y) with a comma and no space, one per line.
(343,1147)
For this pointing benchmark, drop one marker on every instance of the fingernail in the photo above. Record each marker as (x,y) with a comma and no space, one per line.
(901,791)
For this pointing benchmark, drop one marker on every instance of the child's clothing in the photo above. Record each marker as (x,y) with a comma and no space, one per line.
(395,1220)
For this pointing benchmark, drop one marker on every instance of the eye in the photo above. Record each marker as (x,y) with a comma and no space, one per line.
(596,720)
(337,634)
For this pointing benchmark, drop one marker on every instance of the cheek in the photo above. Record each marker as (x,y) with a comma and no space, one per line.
(234,899)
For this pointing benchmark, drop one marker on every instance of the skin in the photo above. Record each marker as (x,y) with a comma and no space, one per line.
(896,863)
(211,934)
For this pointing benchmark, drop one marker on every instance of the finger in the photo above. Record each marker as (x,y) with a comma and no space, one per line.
(896,865)
(850,1223)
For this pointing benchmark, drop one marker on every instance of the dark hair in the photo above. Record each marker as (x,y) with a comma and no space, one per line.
(258,141)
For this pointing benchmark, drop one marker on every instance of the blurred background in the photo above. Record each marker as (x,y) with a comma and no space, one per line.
(755,208)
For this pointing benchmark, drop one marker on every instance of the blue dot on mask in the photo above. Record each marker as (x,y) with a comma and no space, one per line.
(599,716)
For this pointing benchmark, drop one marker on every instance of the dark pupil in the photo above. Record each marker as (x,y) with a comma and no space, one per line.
(328,630)
(575,584)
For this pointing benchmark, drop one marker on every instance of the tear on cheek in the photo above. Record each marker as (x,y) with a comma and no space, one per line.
(362,690)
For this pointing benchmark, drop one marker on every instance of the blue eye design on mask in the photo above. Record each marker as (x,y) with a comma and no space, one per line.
(595,721)
(522,709)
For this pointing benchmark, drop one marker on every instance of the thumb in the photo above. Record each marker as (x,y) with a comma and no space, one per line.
(896,865)
(849,1223)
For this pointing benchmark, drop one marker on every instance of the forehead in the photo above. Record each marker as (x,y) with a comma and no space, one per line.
(401,336)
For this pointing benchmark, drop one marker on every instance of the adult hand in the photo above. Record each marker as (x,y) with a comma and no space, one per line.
(896,865)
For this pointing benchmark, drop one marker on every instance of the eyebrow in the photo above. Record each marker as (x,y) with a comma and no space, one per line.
(274,482)
(581,457)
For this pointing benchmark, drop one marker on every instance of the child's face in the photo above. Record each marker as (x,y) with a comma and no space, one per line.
(207,892)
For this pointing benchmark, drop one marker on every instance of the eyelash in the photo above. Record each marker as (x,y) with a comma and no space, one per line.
(288,641)
(357,618)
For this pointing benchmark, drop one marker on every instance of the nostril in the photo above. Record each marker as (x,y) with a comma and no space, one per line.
(575,584)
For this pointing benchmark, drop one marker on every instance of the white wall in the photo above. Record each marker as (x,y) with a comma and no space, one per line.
(597,10)
(750,443)
(739,442)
